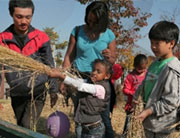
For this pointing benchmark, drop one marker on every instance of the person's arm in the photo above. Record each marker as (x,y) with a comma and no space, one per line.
(128,84)
(70,55)
(67,61)
(96,90)
(170,98)
(45,53)
(110,52)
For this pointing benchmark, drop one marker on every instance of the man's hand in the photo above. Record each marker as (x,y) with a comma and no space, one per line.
(53,99)
(62,88)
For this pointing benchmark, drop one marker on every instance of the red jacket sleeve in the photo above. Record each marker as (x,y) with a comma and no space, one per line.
(128,88)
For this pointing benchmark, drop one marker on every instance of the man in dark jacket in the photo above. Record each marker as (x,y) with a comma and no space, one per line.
(29,41)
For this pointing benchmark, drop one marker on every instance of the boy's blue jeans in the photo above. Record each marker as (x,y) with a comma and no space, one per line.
(97,132)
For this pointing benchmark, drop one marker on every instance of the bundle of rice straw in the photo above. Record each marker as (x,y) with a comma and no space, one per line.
(136,129)
(15,60)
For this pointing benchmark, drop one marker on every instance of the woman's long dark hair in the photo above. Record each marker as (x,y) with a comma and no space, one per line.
(100,10)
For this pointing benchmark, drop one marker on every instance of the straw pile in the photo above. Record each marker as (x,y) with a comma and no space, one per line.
(136,129)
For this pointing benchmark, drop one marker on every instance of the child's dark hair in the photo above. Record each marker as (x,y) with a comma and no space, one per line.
(100,10)
(106,64)
(20,3)
(164,30)
(140,59)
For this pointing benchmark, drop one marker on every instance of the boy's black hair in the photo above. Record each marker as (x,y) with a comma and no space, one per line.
(20,3)
(100,10)
(165,31)
(140,59)
(106,64)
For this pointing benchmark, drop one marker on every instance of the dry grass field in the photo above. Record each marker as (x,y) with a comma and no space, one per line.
(118,116)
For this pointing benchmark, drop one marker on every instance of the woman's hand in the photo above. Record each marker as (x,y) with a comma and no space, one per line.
(110,52)
(70,53)
(106,53)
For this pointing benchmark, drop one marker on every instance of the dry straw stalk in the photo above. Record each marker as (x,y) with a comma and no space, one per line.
(15,60)
(136,129)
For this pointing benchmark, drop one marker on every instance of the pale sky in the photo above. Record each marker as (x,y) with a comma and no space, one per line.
(63,15)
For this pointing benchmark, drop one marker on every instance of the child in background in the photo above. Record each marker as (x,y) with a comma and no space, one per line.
(94,98)
(161,87)
(131,83)
(117,73)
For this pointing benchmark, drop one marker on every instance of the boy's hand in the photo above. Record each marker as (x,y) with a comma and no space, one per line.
(144,114)
(53,99)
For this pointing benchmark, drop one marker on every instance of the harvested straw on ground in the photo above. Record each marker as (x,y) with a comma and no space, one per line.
(136,129)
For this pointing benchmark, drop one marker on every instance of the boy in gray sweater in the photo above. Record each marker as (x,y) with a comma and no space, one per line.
(161,88)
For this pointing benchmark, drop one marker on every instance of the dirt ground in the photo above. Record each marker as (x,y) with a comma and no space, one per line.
(118,116)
